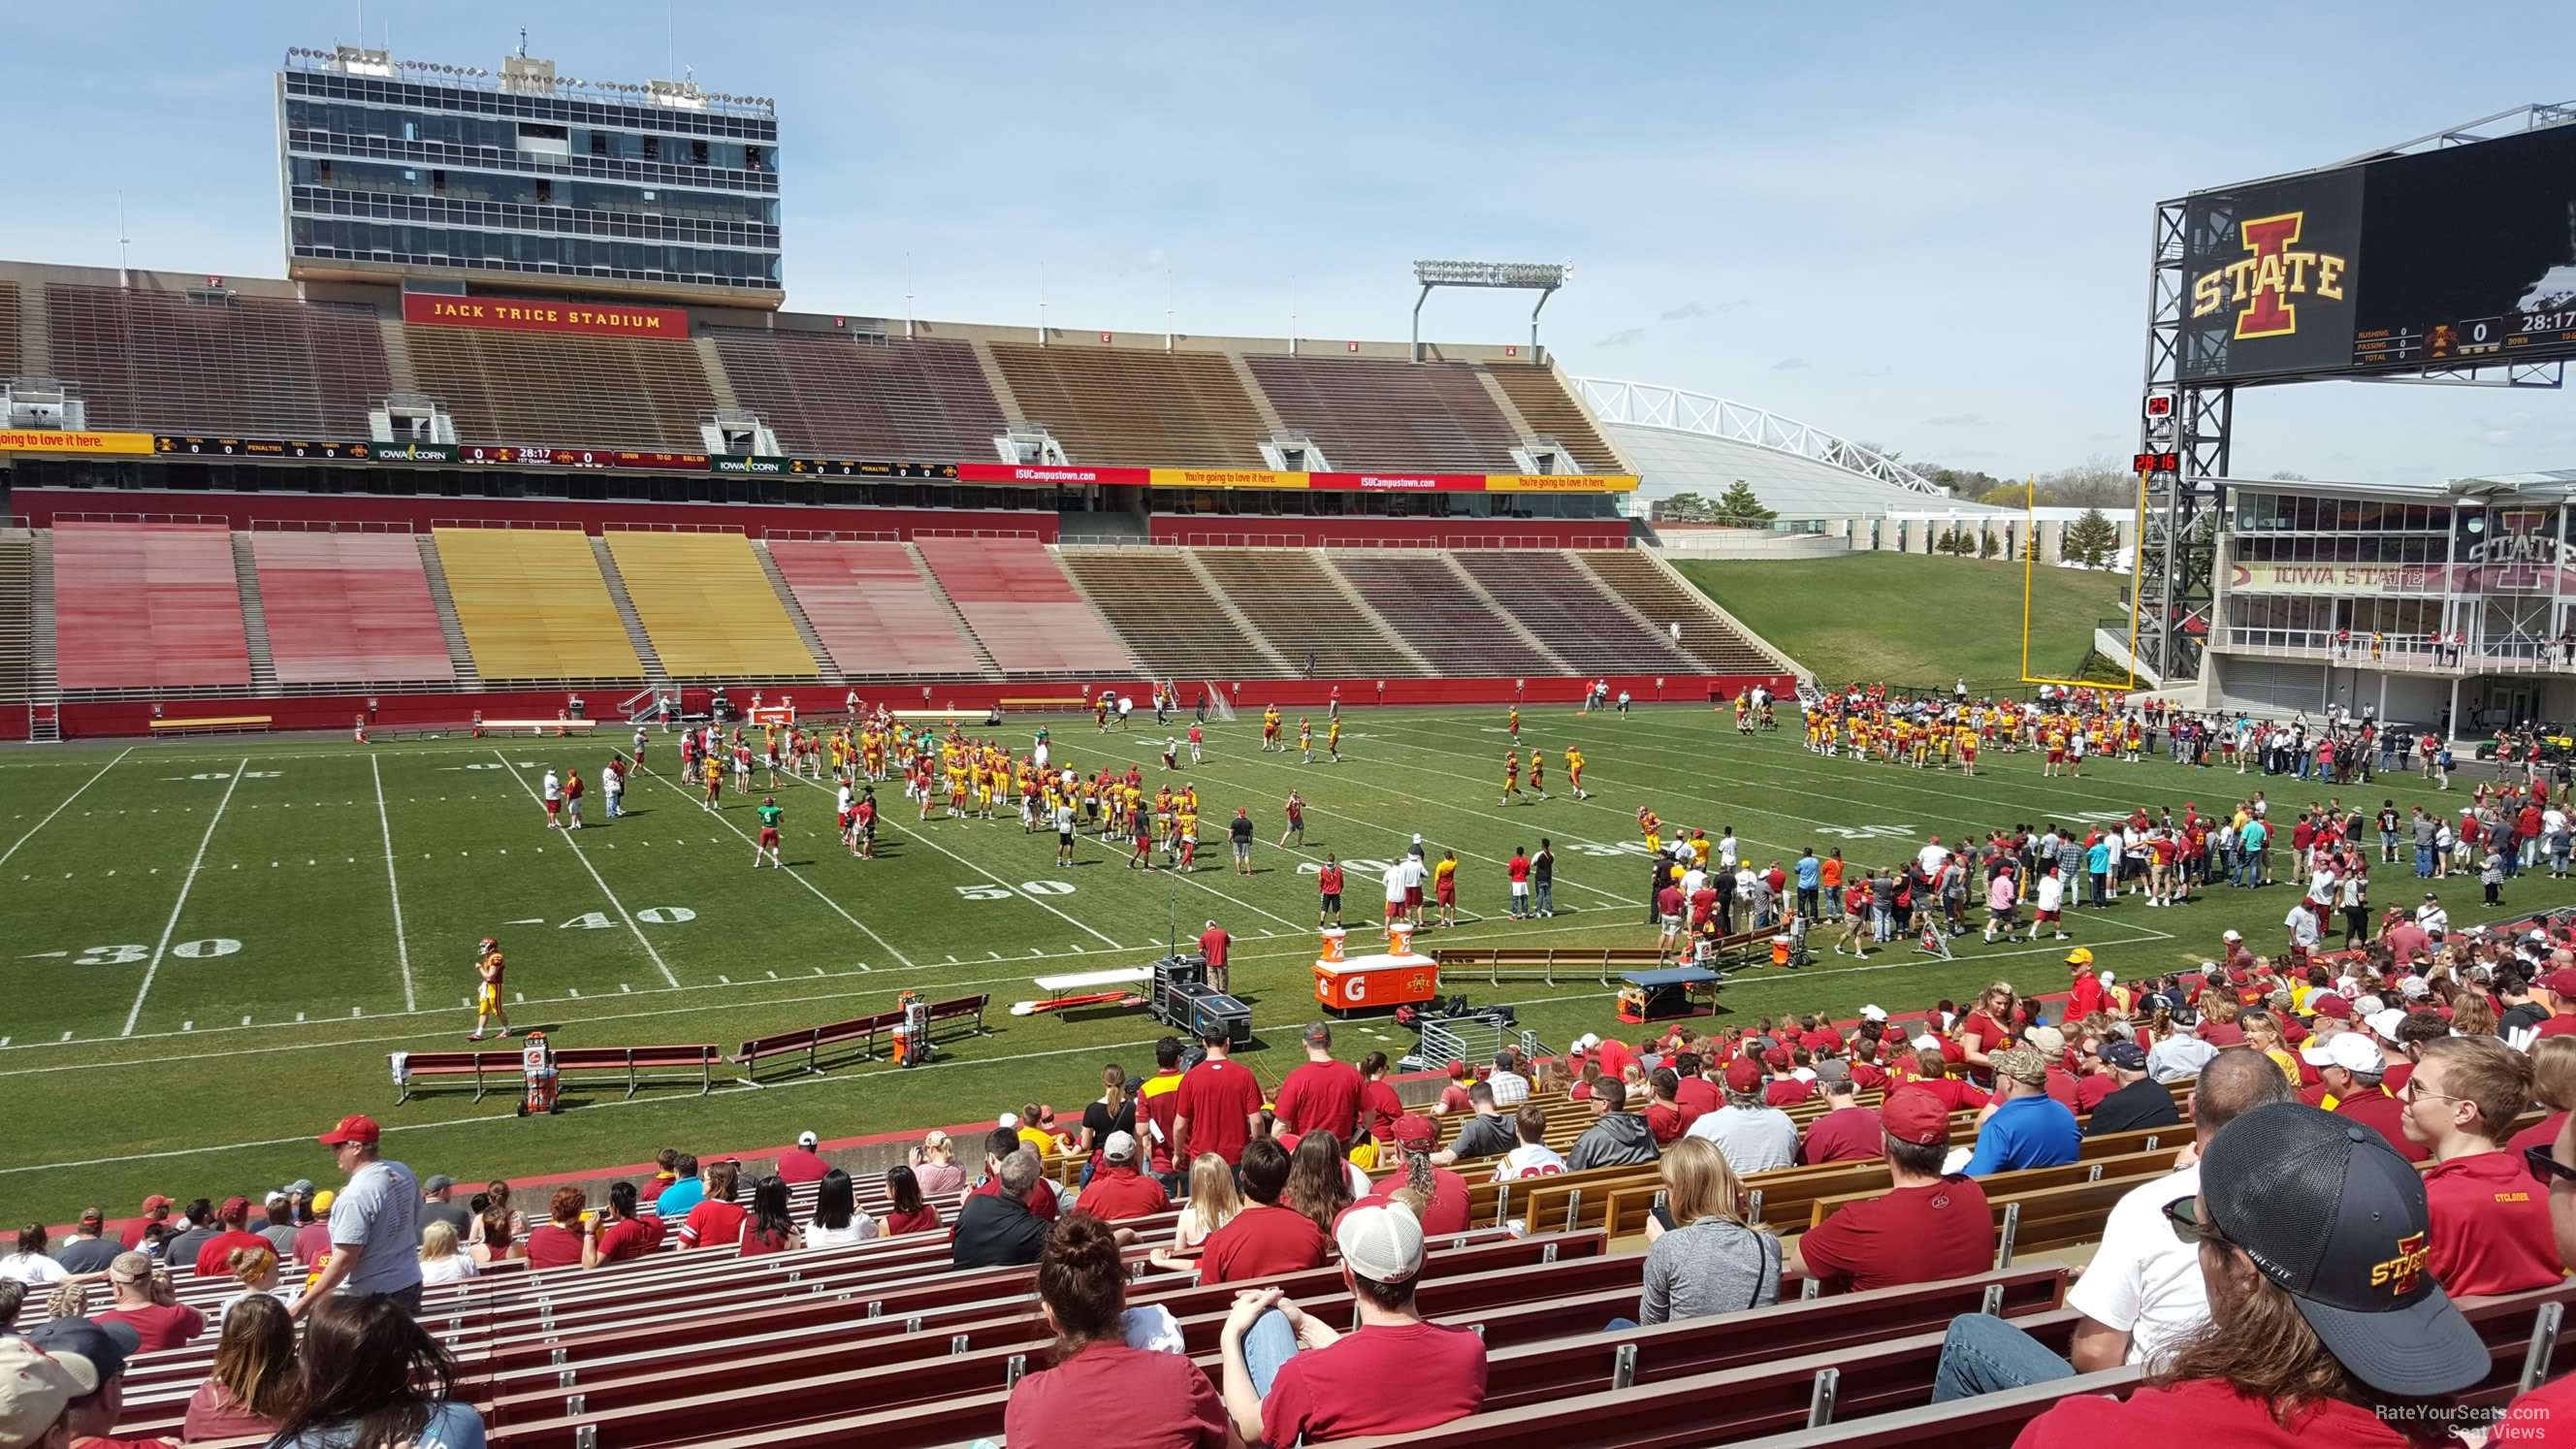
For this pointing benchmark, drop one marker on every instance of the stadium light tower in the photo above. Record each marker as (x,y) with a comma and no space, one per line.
(1540,277)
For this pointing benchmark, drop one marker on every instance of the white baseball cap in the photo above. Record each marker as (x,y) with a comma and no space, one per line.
(2384,1024)
(2349,1050)
(1382,1243)
(807,1140)
(1873,1013)
(1927,1042)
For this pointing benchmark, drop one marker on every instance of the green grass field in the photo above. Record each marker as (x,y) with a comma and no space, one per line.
(211,945)
(1915,618)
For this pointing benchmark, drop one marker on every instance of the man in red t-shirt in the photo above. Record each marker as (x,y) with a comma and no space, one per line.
(212,1255)
(1118,1191)
(1324,1094)
(1212,944)
(2491,1230)
(1328,882)
(1290,1378)
(1848,1132)
(1218,1101)
(2085,997)
(1924,1228)
(1265,1240)
(1955,1094)
(156,1209)
(999,1144)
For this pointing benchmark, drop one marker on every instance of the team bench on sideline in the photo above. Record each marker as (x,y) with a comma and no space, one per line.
(212,723)
(499,1070)
(537,726)
(858,1036)
(1546,961)
(1072,702)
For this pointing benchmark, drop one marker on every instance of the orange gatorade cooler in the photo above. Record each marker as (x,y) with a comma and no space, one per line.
(1332,945)
(1399,938)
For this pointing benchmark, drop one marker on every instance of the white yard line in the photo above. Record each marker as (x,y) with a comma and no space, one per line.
(818,892)
(67,800)
(622,914)
(181,904)
(402,946)
(924,838)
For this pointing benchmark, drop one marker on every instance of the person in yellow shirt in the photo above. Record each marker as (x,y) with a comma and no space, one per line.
(1538,775)
(1333,739)
(1444,887)
(1574,772)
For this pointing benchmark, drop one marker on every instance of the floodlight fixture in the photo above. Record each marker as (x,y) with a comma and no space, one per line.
(1540,277)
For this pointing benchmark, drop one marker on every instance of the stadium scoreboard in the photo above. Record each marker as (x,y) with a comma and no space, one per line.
(2455,257)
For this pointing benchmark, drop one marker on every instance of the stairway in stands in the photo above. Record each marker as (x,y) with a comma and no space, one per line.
(459,653)
(930,581)
(41,675)
(263,668)
(796,612)
(654,674)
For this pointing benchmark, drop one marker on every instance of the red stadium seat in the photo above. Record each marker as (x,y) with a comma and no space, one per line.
(866,601)
(349,607)
(147,605)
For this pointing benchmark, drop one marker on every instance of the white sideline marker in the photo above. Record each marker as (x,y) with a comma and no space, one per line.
(67,1036)
(393,886)
(183,1026)
(245,1021)
(299,1016)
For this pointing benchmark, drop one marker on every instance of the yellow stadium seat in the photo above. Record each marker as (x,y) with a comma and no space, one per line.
(534,606)
(708,605)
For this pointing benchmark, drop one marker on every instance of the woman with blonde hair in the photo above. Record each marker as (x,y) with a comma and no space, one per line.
(2263,1033)
(1213,1203)
(255,1270)
(2553,1086)
(254,1373)
(2471,1015)
(1709,1260)
(442,1259)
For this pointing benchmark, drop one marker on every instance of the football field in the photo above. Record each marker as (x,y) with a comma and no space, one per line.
(211,945)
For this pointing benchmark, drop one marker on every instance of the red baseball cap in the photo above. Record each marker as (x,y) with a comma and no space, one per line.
(1916,1117)
(2334,1006)
(352,1129)
(1778,1056)
(1742,1075)
(233,1207)
(2563,982)
(156,1202)
(1415,1133)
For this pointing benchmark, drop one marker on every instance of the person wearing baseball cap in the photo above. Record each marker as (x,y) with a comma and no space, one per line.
(217,1251)
(801,1163)
(96,1353)
(1290,1377)
(89,1249)
(375,1231)
(2028,1127)
(2137,1101)
(2556,990)
(2352,1067)
(1750,1133)
(155,1209)
(2324,1321)
(1117,1191)
(148,1303)
(35,1388)
(1924,1228)
(1444,1208)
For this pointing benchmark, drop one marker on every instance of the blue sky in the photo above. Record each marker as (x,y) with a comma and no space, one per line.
(1923,225)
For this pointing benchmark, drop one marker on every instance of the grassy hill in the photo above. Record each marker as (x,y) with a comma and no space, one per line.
(1913,619)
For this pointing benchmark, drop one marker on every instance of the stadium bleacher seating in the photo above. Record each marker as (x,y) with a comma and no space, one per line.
(17,613)
(536,389)
(147,605)
(1164,612)
(9,325)
(1121,406)
(217,362)
(1543,403)
(533,605)
(830,395)
(1298,605)
(708,605)
(1015,598)
(1426,602)
(349,608)
(1386,413)
(1568,611)
(1653,591)
(866,602)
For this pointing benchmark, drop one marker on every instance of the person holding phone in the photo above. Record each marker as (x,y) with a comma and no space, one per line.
(1702,1257)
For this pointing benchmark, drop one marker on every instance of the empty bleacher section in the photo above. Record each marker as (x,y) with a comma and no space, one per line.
(1382,413)
(1021,607)
(708,605)
(1156,602)
(225,364)
(1298,605)
(9,325)
(533,605)
(1566,608)
(531,389)
(1654,591)
(868,603)
(1433,610)
(1114,406)
(349,608)
(1543,403)
(17,613)
(830,395)
(146,605)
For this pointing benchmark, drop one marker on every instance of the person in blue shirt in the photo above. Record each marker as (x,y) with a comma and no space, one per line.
(1811,874)
(2097,864)
(2028,1128)
(685,1193)
(2250,842)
